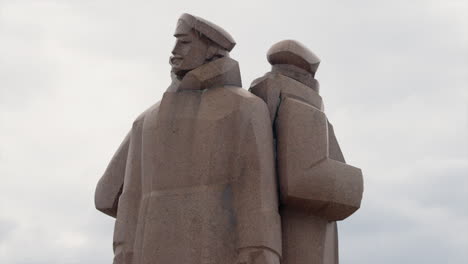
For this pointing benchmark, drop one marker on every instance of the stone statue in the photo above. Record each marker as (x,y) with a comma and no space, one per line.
(194,180)
(317,187)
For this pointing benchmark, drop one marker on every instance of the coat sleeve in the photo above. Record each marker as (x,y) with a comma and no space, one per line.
(333,146)
(311,167)
(130,199)
(255,190)
(110,185)
(263,87)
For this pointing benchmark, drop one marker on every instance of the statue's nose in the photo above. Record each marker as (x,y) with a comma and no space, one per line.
(176,49)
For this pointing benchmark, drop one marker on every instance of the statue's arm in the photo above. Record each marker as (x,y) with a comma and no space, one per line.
(269,93)
(311,167)
(125,231)
(334,149)
(255,193)
(110,185)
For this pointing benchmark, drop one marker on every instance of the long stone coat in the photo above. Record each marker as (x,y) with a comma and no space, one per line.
(317,187)
(194,181)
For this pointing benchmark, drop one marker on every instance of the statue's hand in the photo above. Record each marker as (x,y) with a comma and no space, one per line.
(123,258)
(257,256)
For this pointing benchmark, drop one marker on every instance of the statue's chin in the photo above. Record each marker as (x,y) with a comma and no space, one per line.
(179,72)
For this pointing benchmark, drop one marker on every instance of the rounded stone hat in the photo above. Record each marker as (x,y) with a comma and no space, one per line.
(294,53)
(213,32)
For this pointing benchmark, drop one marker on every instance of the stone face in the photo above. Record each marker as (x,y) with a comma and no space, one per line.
(194,181)
(197,42)
(210,30)
(317,187)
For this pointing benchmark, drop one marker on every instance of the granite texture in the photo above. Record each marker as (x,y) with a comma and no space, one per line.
(317,187)
(214,173)
(194,181)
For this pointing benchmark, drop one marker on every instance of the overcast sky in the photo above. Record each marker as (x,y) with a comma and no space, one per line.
(394,78)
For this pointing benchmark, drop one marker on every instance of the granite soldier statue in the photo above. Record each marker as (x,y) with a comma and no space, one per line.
(194,180)
(317,187)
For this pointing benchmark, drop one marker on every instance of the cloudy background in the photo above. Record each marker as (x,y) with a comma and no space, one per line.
(394,77)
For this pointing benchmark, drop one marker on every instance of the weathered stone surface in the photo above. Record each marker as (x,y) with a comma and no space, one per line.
(194,182)
(317,187)
(292,52)
(215,33)
(196,179)
(309,177)
(110,185)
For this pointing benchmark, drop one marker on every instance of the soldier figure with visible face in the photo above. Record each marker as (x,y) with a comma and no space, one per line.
(317,187)
(193,49)
(194,180)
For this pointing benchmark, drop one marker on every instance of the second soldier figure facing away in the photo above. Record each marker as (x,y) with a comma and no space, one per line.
(317,187)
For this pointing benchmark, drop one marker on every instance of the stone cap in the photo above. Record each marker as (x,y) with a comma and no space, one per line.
(213,32)
(294,53)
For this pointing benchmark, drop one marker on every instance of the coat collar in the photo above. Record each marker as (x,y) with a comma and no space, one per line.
(221,72)
(297,74)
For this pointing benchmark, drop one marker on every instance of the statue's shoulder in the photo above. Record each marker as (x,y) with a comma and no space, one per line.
(261,80)
(268,82)
(243,95)
(151,110)
(247,102)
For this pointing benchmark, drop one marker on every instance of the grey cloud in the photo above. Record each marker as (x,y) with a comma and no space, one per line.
(6,228)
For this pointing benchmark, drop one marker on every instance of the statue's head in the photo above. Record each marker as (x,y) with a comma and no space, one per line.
(292,52)
(198,42)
